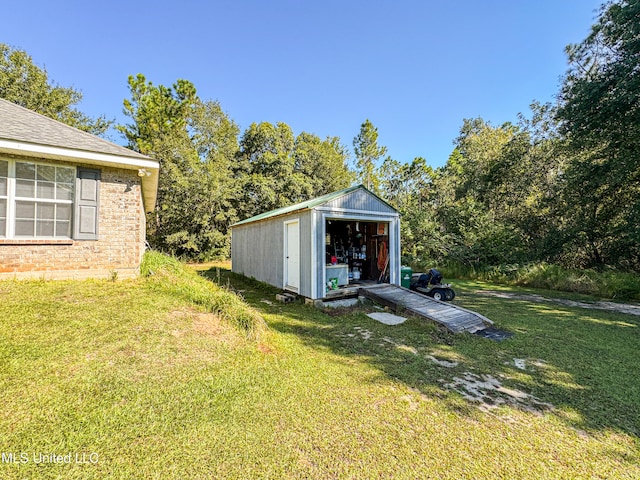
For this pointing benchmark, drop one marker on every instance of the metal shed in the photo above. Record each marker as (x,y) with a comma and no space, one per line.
(323,247)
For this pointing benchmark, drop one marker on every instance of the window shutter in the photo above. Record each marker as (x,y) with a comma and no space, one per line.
(86,208)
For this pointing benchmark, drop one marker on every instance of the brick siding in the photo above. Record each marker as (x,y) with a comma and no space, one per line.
(119,248)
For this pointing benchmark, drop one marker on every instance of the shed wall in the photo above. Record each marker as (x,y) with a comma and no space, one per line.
(257,250)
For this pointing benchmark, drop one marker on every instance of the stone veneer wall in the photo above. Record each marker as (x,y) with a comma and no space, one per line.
(119,248)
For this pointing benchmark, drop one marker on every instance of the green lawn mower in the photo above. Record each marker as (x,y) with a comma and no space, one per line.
(430,284)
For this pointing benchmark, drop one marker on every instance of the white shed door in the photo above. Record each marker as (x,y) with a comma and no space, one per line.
(292,255)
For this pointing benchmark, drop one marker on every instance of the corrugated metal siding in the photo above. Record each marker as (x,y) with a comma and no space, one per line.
(306,265)
(257,250)
(359,200)
(320,256)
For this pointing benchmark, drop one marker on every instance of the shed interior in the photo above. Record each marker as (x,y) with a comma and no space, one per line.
(356,252)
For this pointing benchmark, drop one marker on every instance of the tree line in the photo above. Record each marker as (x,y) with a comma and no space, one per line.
(560,185)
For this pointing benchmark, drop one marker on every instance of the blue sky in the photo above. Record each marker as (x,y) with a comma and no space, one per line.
(414,68)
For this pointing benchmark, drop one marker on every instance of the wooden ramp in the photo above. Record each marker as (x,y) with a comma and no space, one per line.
(455,318)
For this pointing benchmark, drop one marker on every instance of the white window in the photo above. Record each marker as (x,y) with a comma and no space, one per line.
(36,200)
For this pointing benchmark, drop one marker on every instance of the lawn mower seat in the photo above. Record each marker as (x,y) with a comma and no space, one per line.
(433,277)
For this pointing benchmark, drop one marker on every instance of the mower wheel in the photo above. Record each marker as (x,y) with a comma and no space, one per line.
(449,294)
(438,294)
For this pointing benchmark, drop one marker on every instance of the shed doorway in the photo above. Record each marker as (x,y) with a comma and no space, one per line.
(357,253)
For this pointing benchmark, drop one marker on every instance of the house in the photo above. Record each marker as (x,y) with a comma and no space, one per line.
(322,247)
(72,205)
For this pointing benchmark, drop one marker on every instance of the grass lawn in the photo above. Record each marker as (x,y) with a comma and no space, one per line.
(141,383)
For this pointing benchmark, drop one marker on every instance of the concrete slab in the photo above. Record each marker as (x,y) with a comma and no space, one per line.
(387,318)
(347,302)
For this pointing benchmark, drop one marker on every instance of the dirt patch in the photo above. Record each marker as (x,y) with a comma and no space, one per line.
(266,349)
(364,333)
(442,363)
(489,393)
(207,324)
(190,321)
(628,308)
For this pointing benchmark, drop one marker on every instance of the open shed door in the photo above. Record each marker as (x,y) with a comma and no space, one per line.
(292,255)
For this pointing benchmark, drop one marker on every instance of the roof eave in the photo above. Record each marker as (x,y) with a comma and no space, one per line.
(143,164)
(265,219)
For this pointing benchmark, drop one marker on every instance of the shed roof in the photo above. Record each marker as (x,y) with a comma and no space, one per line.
(309,204)
(24,132)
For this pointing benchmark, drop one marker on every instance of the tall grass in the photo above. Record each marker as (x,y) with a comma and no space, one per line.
(605,284)
(171,276)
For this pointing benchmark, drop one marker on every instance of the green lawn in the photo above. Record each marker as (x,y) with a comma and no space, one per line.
(155,387)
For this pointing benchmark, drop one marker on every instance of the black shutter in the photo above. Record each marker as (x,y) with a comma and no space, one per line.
(86,208)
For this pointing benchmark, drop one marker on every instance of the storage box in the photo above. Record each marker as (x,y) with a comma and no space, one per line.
(340,271)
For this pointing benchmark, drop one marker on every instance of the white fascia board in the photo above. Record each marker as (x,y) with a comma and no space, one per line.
(350,213)
(149,182)
(80,156)
(358,217)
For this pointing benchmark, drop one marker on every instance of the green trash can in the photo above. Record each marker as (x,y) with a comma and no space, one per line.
(405,276)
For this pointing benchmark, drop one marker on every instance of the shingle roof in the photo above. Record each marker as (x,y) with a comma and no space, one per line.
(22,125)
(314,202)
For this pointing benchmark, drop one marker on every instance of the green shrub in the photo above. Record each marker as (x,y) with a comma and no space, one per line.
(171,276)
(605,284)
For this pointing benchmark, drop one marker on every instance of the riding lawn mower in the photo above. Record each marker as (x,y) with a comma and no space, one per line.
(430,284)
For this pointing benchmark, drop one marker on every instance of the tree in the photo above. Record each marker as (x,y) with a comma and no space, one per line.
(277,169)
(409,188)
(480,147)
(600,116)
(160,116)
(599,97)
(368,153)
(24,83)
(265,169)
(497,194)
(324,162)
(195,142)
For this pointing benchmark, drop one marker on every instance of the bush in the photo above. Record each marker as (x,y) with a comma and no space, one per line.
(171,276)
(605,284)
